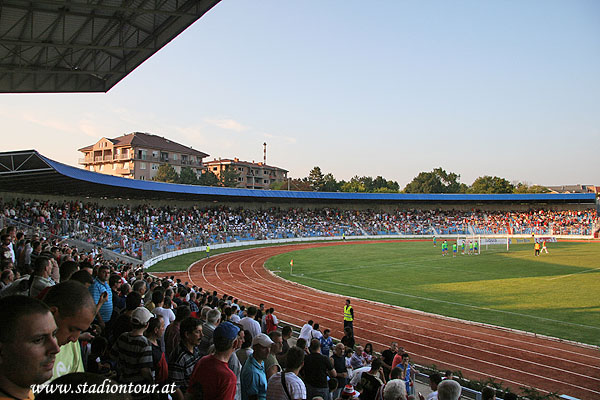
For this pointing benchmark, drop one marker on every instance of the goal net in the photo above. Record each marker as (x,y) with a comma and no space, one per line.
(474,244)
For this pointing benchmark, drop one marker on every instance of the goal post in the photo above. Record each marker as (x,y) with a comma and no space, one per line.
(473,244)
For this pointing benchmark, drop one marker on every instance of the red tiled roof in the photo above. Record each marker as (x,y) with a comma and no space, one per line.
(238,162)
(140,139)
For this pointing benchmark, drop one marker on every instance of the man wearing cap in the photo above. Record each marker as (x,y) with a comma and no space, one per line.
(212,378)
(254,378)
(133,351)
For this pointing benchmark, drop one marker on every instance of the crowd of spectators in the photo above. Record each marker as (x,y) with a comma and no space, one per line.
(141,231)
(88,315)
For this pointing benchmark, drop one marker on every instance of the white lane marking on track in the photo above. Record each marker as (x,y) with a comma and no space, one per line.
(450,302)
(256,272)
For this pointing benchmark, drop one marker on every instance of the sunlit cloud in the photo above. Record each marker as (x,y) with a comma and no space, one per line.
(228,124)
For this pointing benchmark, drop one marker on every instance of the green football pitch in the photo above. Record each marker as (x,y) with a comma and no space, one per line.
(555,294)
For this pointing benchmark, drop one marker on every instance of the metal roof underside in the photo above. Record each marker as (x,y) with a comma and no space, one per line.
(29,172)
(85,45)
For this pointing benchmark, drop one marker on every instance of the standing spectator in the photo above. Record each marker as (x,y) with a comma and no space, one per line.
(286,334)
(98,288)
(250,324)
(305,332)
(271,364)
(434,381)
(172,336)
(122,323)
(339,364)
(212,378)
(260,313)
(182,364)
(212,320)
(449,389)
(271,321)
(154,333)
(254,378)
(73,309)
(387,358)
(372,380)
(348,338)
(28,345)
(133,352)
(246,348)
(40,279)
(408,373)
(326,343)
(287,385)
(316,332)
(115,282)
(162,308)
(316,369)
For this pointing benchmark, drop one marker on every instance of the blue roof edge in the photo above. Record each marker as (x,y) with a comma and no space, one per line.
(103,179)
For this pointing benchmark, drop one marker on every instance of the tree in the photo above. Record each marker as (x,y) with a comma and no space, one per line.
(354,185)
(166,173)
(436,181)
(330,184)
(187,176)
(208,178)
(522,187)
(316,179)
(491,184)
(229,176)
(300,184)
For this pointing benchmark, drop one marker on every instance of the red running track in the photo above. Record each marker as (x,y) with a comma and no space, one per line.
(514,358)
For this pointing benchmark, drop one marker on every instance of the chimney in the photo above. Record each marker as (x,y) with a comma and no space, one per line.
(265,151)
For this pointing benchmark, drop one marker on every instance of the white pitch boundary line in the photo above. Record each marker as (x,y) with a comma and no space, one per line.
(261,279)
(574,273)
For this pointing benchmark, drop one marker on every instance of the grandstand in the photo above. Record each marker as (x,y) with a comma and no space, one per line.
(140,220)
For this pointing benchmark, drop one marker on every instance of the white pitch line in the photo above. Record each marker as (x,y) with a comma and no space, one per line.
(574,273)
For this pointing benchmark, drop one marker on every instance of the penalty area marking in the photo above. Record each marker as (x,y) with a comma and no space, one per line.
(451,302)
(574,273)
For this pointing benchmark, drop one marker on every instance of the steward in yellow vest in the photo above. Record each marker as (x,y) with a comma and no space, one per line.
(348,315)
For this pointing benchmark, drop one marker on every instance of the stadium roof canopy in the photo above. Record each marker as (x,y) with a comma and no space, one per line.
(85,45)
(29,172)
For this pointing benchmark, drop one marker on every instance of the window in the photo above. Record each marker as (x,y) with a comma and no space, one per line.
(215,168)
(164,156)
(174,157)
(142,178)
(266,181)
(126,166)
(154,167)
(142,154)
(143,165)
(114,166)
(102,167)
(241,169)
(155,154)
(240,179)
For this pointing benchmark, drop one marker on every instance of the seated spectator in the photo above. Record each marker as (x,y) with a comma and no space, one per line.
(372,380)
(358,360)
(434,380)
(488,393)
(368,352)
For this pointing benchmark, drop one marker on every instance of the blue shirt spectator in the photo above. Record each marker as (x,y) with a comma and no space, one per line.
(99,287)
(254,379)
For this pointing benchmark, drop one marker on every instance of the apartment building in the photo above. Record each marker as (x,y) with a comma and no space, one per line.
(138,156)
(252,175)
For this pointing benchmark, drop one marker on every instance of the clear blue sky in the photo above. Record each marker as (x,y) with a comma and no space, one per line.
(392,88)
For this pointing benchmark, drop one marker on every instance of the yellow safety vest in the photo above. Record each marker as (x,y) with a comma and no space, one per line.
(348,313)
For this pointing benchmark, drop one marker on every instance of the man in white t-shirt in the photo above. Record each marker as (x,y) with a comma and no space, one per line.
(305,332)
(295,387)
(249,323)
(167,314)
